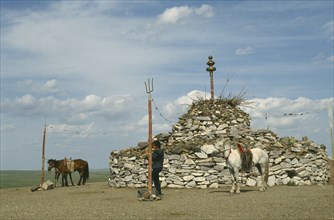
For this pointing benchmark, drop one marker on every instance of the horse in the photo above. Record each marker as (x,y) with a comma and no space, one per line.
(60,168)
(260,160)
(83,169)
(65,167)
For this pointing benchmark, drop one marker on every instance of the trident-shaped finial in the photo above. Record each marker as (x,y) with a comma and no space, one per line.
(149,88)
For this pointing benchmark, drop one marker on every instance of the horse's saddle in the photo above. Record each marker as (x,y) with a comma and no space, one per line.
(246,158)
(69,164)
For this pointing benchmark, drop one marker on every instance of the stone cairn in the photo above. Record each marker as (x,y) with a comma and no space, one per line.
(191,160)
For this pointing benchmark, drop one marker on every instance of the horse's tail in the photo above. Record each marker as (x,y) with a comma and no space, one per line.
(86,172)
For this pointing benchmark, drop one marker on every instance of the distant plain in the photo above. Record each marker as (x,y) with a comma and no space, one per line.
(30,178)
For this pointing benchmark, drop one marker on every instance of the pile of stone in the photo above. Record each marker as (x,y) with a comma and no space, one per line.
(192,161)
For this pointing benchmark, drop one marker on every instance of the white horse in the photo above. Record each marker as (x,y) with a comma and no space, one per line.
(260,160)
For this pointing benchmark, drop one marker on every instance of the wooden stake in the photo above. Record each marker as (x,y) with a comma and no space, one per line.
(43,154)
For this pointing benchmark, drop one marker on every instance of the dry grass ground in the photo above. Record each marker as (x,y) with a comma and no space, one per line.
(99,201)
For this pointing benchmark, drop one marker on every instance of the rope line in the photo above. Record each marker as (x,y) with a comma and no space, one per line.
(156,107)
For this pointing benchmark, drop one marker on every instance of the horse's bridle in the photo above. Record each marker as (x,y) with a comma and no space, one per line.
(229,152)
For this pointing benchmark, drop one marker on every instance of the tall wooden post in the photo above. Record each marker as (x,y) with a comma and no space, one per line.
(43,154)
(211,69)
(149,90)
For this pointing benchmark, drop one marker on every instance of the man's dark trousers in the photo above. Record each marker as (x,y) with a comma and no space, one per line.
(156,181)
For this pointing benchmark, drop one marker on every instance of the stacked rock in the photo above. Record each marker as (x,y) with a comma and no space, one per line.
(191,160)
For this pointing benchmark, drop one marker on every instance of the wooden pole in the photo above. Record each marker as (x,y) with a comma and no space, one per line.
(43,155)
(150,145)
(149,90)
(211,86)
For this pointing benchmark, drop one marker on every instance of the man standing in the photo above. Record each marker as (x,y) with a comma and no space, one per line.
(157,165)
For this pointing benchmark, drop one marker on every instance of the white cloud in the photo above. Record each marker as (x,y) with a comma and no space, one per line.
(26,101)
(329,29)
(91,102)
(50,86)
(330,58)
(205,10)
(180,105)
(244,51)
(31,86)
(281,107)
(174,14)
(116,107)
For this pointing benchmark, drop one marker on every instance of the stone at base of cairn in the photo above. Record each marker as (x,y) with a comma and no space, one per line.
(145,195)
(45,186)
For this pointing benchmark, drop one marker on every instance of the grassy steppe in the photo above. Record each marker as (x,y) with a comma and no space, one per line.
(30,178)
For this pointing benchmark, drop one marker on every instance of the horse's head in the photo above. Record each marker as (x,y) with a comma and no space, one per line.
(51,164)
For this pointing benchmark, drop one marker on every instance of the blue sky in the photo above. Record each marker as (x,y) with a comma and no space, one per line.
(81,65)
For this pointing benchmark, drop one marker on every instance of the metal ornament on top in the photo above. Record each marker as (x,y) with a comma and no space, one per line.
(211,69)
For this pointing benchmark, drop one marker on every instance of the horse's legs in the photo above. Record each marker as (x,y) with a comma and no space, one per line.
(81,174)
(83,178)
(66,182)
(264,180)
(235,181)
(85,174)
(233,185)
(62,180)
(57,174)
(237,190)
(79,183)
(265,173)
(262,185)
(55,179)
(64,177)
(71,178)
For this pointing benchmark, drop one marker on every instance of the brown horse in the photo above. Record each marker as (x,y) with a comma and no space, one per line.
(60,168)
(66,166)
